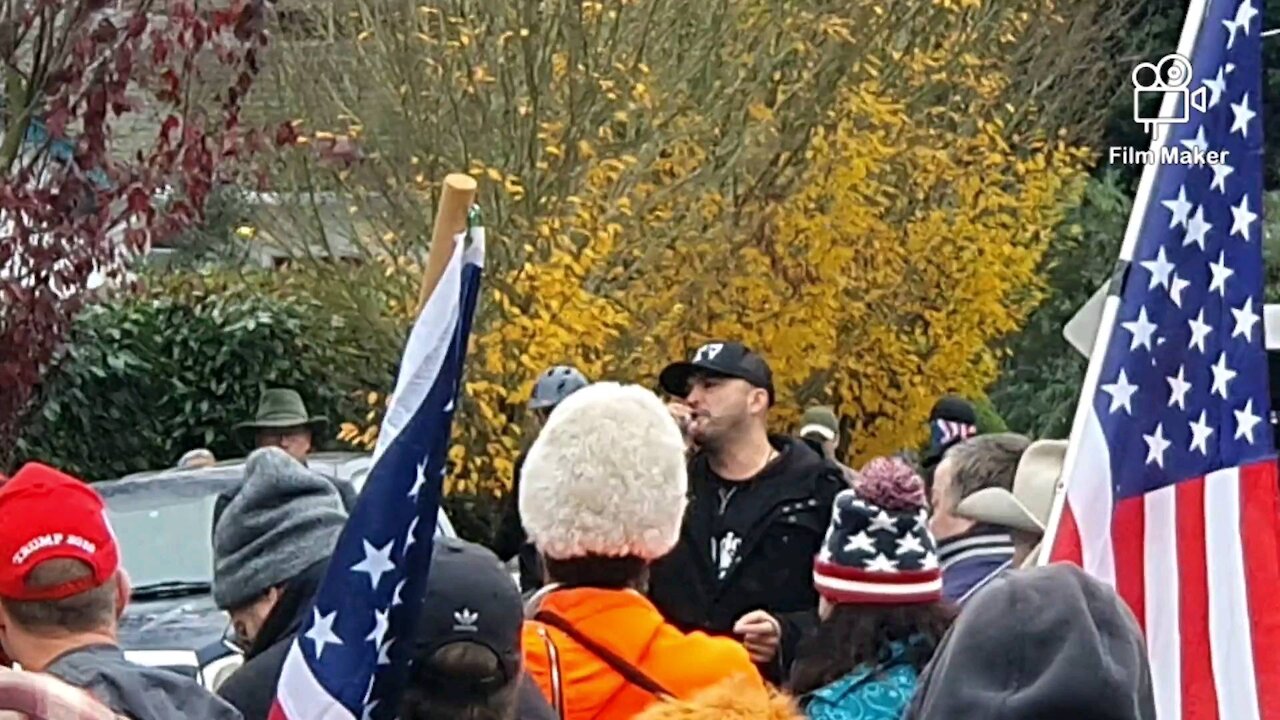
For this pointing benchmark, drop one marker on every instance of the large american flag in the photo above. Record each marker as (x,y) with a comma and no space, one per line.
(351,658)
(1171,482)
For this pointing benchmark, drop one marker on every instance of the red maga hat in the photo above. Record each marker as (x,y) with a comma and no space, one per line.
(44,515)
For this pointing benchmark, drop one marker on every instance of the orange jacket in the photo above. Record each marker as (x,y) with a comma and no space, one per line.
(733,699)
(626,623)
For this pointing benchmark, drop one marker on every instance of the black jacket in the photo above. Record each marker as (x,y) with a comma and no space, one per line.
(783,514)
(510,539)
(252,688)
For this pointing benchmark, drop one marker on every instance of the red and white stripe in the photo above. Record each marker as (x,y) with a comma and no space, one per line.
(841,584)
(1197,562)
(300,695)
(955,430)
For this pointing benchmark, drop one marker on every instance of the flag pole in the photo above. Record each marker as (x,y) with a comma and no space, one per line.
(1111,308)
(456,197)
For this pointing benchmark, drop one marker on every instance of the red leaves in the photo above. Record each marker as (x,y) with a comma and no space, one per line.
(180,210)
(96,106)
(57,80)
(137,239)
(170,124)
(344,149)
(140,202)
(61,221)
(236,94)
(54,257)
(105,33)
(93,141)
(286,134)
(169,87)
(244,82)
(199,35)
(161,47)
(124,62)
(55,123)
(181,12)
(137,25)
(340,150)
(251,22)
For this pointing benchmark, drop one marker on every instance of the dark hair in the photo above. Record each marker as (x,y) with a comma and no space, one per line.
(598,571)
(855,635)
(86,611)
(460,681)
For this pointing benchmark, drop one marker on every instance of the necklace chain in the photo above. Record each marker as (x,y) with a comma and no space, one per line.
(768,458)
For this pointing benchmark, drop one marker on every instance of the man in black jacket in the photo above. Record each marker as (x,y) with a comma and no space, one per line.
(758,509)
(271,546)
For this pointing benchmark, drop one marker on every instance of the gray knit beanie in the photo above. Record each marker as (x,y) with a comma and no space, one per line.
(282,520)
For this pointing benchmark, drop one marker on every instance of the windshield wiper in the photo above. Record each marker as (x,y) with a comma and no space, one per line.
(171,589)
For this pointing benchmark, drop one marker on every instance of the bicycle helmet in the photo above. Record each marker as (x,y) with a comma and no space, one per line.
(554,385)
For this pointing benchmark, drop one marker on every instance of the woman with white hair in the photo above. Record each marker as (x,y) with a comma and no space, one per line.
(602,495)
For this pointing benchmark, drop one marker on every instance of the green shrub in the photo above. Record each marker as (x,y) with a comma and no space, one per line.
(149,377)
(1040,382)
(989,420)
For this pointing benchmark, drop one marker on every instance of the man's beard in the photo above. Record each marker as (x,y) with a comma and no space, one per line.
(713,439)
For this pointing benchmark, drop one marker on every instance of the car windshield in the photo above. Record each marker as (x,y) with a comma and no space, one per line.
(165,527)
(164,538)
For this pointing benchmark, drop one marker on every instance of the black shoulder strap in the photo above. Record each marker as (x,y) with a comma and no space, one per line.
(629,672)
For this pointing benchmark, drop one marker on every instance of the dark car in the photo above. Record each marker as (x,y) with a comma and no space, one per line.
(163,521)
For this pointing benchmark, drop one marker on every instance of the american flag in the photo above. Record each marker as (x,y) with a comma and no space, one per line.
(948,431)
(350,660)
(1171,481)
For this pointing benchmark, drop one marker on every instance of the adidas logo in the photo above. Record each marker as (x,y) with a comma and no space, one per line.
(465,621)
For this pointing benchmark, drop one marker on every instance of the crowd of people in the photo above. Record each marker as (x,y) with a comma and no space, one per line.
(677,561)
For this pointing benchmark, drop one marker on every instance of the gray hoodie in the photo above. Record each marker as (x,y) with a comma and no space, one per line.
(137,691)
(1045,644)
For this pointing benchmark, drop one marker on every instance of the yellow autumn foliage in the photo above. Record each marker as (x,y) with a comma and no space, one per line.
(886,278)
(862,193)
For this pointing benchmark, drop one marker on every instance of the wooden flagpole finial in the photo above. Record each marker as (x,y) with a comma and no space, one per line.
(456,198)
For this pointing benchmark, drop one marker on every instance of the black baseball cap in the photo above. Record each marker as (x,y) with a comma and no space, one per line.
(723,359)
(955,409)
(471,598)
(952,409)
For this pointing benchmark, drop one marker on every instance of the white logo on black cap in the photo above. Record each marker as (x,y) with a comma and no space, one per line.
(465,620)
(708,352)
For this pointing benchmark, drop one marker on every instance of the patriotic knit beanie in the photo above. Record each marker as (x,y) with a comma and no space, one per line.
(878,549)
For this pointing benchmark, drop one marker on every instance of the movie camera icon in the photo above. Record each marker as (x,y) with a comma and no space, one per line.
(1171,75)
